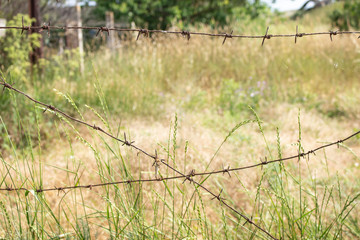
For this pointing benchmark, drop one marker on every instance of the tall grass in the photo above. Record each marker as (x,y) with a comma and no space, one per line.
(211,87)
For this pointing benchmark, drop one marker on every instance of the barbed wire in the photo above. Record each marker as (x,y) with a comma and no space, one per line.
(127,143)
(184,33)
(192,172)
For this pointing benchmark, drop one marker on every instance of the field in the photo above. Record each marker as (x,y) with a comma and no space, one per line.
(203,106)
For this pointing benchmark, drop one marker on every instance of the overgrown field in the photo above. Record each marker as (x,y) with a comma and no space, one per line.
(203,106)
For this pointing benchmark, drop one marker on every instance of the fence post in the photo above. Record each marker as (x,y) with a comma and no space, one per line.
(80,37)
(34,12)
(111,40)
(2,24)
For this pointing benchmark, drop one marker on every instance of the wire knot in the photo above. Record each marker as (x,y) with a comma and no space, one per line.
(186,34)
(310,152)
(52,108)
(263,162)
(46,27)
(227,170)
(227,36)
(145,32)
(103,29)
(126,142)
(218,197)
(60,189)
(248,220)
(6,85)
(339,142)
(96,128)
(189,176)
(156,163)
(298,34)
(266,36)
(24,28)
(331,33)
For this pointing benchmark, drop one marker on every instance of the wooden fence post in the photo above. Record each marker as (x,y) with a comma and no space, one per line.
(34,12)
(111,40)
(80,37)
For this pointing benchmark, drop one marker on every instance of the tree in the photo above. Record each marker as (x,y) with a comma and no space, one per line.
(162,13)
(348,17)
(305,7)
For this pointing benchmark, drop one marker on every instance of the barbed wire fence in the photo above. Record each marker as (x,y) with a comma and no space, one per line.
(155,158)
(184,33)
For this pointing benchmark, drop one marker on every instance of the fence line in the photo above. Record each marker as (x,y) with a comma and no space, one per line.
(130,144)
(186,34)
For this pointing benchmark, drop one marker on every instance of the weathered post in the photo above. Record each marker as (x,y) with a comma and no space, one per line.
(34,12)
(80,37)
(111,40)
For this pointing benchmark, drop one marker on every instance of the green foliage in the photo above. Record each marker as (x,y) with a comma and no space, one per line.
(16,47)
(62,66)
(236,98)
(164,13)
(347,17)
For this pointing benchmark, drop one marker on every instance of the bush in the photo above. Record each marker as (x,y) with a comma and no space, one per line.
(348,17)
(15,49)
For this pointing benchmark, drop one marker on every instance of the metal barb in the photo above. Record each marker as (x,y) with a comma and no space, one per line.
(145,32)
(52,108)
(227,170)
(126,142)
(298,34)
(45,27)
(338,143)
(332,33)
(266,36)
(218,197)
(101,30)
(248,220)
(60,189)
(6,85)
(186,34)
(189,176)
(27,28)
(156,163)
(96,128)
(227,36)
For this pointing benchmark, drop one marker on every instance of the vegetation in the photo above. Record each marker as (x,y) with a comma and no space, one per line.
(164,14)
(347,17)
(138,89)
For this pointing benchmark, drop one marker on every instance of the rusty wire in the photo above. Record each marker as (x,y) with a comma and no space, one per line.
(192,173)
(186,34)
(127,143)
